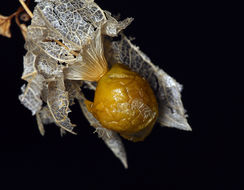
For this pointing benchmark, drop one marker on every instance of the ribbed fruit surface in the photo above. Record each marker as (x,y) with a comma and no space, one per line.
(124,102)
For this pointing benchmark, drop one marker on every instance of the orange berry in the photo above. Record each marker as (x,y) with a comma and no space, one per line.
(124,102)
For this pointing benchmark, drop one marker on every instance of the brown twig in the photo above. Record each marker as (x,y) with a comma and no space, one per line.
(28,11)
(61,44)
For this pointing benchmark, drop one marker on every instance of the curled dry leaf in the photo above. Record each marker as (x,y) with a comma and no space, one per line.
(31,94)
(167,90)
(5,23)
(58,103)
(111,138)
(40,124)
(65,35)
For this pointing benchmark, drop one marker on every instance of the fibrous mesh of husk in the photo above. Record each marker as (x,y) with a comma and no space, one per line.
(49,67)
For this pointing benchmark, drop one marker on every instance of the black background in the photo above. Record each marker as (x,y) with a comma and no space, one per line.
(193,42)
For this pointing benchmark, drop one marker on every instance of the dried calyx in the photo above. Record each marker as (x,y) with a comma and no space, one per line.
(93,64)
(71,32)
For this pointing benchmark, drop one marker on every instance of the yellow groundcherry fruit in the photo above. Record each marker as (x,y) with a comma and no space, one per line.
(124,102)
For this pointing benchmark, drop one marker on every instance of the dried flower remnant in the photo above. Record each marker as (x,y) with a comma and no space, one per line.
(5,23)
(70,47)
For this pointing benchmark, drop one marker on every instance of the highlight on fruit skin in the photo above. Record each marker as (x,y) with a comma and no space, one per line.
(124,102)
(70,47)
